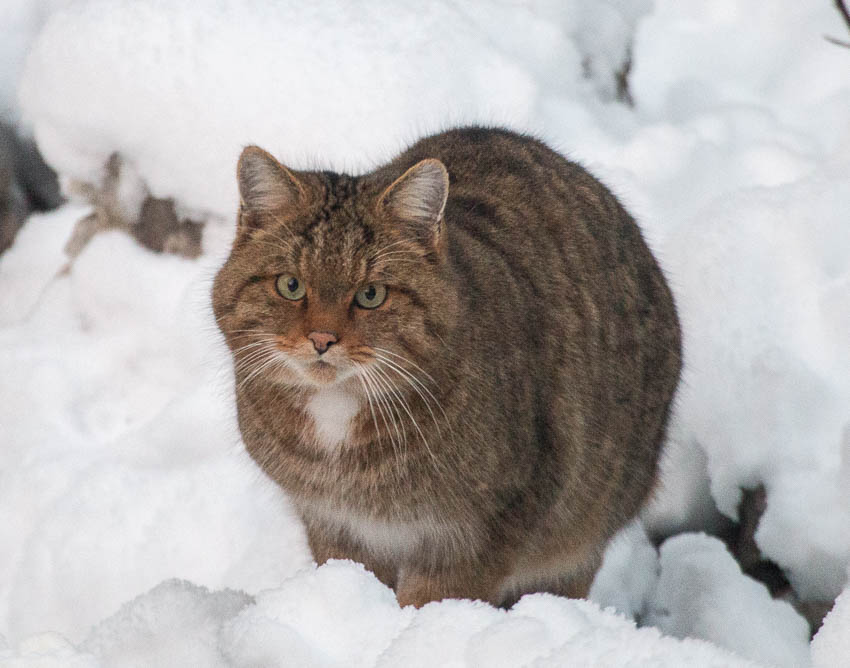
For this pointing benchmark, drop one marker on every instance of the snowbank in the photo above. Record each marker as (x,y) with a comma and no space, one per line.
(344,84)
(341,615)
(701,593)
(756,245)
(35,259)
(775,365)
(22,20)
(121,461)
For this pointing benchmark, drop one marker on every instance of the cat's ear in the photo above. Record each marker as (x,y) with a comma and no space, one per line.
(265,184)
(418,198)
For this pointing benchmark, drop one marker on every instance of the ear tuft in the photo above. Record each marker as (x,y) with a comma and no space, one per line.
(265,184)
(418,197)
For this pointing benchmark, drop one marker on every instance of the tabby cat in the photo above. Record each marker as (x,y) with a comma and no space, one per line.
(459,366)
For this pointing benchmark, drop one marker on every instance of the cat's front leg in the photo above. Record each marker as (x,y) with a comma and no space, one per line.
(328,544)
(418,587)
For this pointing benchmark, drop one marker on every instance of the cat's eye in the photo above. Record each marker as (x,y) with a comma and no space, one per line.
(290,287)
(372,296)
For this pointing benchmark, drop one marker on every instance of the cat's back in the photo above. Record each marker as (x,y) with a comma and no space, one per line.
(559,236)
(562,294)
(512,193)
(504,167)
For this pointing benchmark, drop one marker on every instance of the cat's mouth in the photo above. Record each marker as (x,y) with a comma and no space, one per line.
(322,371)
(330,368)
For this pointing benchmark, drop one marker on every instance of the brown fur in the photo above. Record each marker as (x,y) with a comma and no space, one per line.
(540,332)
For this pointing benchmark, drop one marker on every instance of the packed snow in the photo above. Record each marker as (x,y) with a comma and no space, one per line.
(340,615)
(701,592)
(135,529)
(22,19)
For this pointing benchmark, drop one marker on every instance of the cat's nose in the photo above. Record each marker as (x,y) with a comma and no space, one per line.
(322,340)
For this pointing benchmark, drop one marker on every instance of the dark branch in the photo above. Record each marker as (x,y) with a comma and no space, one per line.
(838,42)
(845,14)
(842,9)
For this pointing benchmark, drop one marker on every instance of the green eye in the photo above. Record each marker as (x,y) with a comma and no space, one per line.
(372,296)
(290,287)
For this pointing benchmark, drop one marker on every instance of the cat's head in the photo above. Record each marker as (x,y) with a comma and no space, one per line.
(336,279)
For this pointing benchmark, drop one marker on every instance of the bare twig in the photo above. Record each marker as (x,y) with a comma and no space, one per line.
(845,14)
(842,9)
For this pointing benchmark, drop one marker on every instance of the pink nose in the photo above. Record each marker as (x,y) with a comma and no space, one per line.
(322,340)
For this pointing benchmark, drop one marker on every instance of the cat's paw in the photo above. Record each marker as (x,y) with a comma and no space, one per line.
(416,589)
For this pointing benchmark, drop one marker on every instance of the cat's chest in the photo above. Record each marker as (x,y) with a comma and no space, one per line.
(331,412)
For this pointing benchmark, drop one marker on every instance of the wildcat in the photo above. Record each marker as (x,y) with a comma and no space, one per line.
(459,366)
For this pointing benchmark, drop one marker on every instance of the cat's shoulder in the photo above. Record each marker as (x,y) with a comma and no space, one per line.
(494,138)
(486,157)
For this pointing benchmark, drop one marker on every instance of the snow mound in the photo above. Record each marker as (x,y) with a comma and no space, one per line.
(174,624)
(747,211)
(190,84)
(34,260)
(341,615)
(701,593)
(22,20)
(119,425)
(804,87)
(775,365)
(629,573)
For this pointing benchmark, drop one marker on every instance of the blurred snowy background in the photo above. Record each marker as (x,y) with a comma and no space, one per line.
(135,531)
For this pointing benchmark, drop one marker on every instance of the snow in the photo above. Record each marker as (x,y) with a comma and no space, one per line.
(341,615)
(22,19)
(123,444)
(277,76)
(629,573)
(135,529)
(184,619)
(34,260)
(702,593)
(786,321)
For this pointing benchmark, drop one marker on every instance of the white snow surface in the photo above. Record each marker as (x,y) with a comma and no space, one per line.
(340,615)
(702,593)
(21,21)
(134,528)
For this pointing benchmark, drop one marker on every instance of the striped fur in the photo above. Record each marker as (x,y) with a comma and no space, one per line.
(511,393)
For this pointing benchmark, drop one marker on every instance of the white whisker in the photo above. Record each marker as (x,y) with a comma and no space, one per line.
(269,359)
(369,399)
(369,391)
(250,359)
(385,395)
(396,253)
(415,384)
(393,245)
(257,349)
(281,221)
(277,246)
(410,362)
(379,371)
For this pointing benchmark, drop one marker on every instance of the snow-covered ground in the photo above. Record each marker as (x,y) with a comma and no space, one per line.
(134,530)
